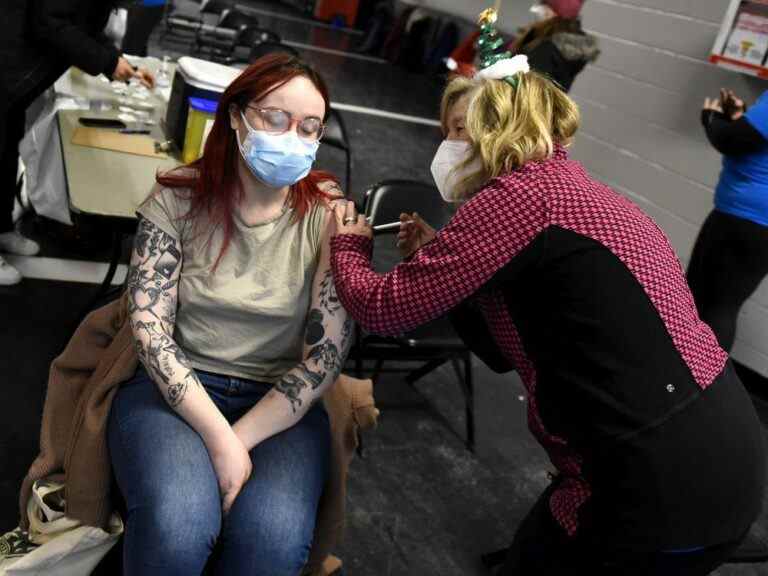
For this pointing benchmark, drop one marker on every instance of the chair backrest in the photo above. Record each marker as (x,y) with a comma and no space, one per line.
(214,6)
(385,201)
(335,133)
(264,48)
(236,20)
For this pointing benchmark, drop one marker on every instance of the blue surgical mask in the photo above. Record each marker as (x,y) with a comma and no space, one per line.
(277,159)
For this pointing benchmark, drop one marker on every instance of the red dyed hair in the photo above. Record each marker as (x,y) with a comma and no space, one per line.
(214,177)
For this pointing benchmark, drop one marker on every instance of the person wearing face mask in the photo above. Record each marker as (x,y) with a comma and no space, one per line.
(556,44)
(218,443)
(658,452)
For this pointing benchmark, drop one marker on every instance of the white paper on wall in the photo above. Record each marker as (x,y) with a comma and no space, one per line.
(748,41)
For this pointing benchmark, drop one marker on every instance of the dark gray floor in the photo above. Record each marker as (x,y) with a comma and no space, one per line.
(419,503)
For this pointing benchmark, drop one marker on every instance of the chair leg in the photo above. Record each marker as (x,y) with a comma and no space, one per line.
(494,559)
(467,387)
(98,296)
(19,186)
(358,347)
(470,403)
(377,370)
(419,373)
(360,448)
(348,182)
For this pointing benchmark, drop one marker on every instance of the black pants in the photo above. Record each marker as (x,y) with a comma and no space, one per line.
(139,26)
(729,261)
(542,548)
(697,487)
(12,125)
(3,112)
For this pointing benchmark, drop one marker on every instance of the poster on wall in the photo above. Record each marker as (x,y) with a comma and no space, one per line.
(742,43)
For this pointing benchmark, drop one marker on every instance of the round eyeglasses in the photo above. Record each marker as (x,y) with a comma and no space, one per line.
(277,121)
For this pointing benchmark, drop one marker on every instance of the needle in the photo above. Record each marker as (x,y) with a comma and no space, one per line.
(390,226)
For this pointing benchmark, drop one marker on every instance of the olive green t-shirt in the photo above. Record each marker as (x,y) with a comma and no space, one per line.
(245,319)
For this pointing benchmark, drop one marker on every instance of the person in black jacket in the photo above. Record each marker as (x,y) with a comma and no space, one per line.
(143,17)
(556,45)
(39,40)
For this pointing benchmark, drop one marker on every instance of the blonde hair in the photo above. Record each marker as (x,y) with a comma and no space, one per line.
(510,126)
(455,91)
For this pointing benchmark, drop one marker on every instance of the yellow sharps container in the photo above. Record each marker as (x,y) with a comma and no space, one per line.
(200,119)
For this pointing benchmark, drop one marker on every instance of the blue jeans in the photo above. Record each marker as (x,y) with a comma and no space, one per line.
(174,523)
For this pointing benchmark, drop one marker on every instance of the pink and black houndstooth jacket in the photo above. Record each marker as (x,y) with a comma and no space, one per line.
(579,290)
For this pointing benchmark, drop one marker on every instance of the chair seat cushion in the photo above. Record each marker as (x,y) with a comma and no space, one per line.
(436,334)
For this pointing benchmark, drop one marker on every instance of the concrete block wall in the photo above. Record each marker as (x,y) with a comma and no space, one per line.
(641,132)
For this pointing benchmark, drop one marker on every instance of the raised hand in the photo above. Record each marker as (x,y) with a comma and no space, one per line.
(733,106)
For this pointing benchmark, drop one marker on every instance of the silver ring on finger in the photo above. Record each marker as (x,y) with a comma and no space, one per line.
(349,220)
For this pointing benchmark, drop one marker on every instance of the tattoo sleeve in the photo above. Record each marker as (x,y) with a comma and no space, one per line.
(152,286)
(327,338)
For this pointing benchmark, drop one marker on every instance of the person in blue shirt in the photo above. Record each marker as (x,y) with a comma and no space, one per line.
(730,257)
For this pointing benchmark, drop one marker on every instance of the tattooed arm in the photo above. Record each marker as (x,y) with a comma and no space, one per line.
(327,338)
(153,287)
(152,299)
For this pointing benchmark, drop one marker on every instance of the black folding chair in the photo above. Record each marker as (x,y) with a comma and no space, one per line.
(434,344)
(215,6)
(221,41)
(184,24)
(179,24)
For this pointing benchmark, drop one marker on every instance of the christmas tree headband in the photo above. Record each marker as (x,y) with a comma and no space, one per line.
(497,65)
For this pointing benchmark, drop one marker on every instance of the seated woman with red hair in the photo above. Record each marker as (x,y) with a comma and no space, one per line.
(218,443)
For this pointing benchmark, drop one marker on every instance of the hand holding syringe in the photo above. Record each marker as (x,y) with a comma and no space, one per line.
(413,232)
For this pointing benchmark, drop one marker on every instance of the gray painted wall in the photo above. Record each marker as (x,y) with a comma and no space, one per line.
(641,132)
